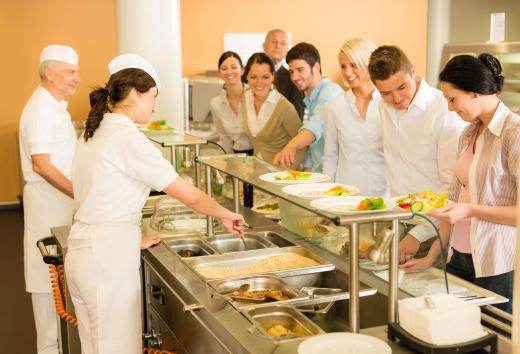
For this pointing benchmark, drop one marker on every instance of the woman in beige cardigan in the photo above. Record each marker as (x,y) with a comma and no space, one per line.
(270,120)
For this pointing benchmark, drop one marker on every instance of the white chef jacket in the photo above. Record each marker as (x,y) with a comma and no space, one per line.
(113,172)
(46,128)
(257,122)
(420,145)
(229,125)
(353,151)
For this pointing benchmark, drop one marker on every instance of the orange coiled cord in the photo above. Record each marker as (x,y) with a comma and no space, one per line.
(58,284)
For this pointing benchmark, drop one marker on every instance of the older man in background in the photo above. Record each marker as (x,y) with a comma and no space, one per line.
(276,45)
(47,143)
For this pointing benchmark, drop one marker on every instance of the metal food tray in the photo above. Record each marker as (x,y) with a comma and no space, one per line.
(266,317)
(227,243)
(243,259)
(261,282)
(194,244)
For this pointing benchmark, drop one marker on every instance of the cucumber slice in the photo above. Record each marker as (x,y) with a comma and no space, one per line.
(417,206)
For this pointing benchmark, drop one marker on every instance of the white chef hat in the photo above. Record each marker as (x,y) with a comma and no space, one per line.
(126,61)
(59,53)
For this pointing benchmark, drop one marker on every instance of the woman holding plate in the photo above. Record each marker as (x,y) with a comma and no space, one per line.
(482,220)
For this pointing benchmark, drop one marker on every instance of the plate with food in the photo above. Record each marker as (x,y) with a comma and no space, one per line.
(421,202)
(292,176)
(349,205)
(320,190)
(267,208)
(156,128)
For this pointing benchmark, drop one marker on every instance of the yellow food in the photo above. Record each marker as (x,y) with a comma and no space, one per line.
(279,331)
(271,264)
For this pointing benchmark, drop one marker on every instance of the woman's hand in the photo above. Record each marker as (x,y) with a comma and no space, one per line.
(452,212)
(418,264)
(234,223)
(149,241)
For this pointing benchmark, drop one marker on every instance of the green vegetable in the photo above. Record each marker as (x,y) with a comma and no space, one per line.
(417,206)
(372,203)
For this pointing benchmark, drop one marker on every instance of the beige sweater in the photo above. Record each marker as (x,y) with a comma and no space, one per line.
(281,127)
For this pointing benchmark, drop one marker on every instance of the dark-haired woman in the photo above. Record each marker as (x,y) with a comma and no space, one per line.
(270,120)
(225,108)
(113,169)
(480,226)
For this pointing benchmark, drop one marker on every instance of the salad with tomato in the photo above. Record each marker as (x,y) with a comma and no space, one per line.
(371,203)
(425,201)
(160,124)
(294,176)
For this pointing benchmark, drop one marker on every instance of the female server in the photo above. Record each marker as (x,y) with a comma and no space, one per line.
(113,169)
(482,220)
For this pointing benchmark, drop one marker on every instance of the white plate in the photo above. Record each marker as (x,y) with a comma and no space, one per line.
(315,190)
(343,343)
(314,178)
(346,205)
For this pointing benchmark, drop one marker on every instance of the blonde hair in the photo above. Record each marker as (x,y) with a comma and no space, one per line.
(358,50)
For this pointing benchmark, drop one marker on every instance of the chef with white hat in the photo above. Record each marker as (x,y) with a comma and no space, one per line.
(47,141)
(114,167)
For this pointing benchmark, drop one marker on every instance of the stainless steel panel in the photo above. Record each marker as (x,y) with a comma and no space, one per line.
(191,333)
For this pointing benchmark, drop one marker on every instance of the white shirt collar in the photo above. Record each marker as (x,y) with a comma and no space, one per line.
(421,97)
(61,104)
(499,118)
(118,118)
(352,98)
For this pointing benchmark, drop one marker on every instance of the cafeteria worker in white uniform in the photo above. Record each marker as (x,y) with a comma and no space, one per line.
(47,142)
(113,169)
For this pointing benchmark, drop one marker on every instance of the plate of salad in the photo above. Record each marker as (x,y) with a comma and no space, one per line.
(157,127)
(292,177)
(421,202)
(349,205)
(320,190)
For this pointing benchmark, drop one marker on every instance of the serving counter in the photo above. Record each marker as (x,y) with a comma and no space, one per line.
(185,307)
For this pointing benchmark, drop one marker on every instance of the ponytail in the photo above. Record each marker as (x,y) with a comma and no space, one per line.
(98,107)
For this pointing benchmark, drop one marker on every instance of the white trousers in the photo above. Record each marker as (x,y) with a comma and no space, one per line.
(102,270)
(45,319)
(83,292)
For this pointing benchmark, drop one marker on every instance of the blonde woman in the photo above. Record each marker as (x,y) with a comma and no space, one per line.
(270,120)
(353,151)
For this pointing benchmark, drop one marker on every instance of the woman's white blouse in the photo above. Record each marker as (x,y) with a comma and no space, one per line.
(112,173)
(228,125)
(257,122)
(353,152)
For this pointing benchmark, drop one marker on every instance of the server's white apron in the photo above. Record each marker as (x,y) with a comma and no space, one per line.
(44,207)
(102,269)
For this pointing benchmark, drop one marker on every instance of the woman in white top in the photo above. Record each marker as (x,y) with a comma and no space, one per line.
(353,152)
(270,120)
(225,108)
(113,169)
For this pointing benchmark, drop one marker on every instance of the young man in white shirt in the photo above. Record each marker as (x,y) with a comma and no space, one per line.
(47,144)
(420,135)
